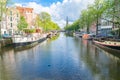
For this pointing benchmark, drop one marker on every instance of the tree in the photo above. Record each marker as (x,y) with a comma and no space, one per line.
(112,12)
(22,23)
(37,22)
(44,20)
(52,26)
(94,13)
(3,4)
(44,16)
(75,26)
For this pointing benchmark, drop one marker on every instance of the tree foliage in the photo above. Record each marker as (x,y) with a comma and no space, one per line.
(44,20)
(37,22)
(74,26)
(108,10)
(3,7)
(22,23)
(45,16)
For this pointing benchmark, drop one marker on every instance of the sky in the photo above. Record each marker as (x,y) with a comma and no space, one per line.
(58,9)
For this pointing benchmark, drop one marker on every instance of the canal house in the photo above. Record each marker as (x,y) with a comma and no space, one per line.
(10,21)
(27,13)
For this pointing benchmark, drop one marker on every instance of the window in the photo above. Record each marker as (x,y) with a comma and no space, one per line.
(10,18)
(17,15)
(10,12)
(11,25)
(4,32)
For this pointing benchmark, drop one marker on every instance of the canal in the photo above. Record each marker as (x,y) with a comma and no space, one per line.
(60,58)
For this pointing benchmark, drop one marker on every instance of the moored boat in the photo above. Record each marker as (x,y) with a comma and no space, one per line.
(113,44)
(28,38)
(87,36)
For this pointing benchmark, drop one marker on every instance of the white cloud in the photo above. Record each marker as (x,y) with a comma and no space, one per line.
(17,4)
(38,7)
(60,10)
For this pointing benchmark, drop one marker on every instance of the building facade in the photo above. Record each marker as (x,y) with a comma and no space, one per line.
(109,24)
(105,28)
(27,13)
(10,21)
(13,18)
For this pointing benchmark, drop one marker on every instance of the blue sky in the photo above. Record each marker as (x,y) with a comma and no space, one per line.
(58,9)
(42,2)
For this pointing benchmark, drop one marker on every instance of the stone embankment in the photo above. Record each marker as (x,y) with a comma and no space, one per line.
(5,42)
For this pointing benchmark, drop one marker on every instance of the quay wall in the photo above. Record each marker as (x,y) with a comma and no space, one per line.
(5,42)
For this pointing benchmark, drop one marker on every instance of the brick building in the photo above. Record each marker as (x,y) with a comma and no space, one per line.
(27,13)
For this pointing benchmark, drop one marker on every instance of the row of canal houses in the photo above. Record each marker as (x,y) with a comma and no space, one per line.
(104,29)
(12,17)
(106,23)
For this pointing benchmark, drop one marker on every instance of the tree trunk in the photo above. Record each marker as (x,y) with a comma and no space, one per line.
(1,18)
(87,28)
(0,29)
(97,26)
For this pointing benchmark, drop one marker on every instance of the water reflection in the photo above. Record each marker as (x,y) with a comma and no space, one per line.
(61,58)
(102,64)
(55,37)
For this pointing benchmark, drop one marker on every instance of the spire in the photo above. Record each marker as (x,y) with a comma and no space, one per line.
(66,21)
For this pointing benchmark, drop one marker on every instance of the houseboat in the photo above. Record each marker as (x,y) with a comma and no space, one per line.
(113,44)
(30,37)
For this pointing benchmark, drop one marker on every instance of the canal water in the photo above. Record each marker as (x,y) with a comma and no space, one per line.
(60,58)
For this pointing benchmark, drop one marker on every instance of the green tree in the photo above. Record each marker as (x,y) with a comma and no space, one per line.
(75,26)
(38,22)
(52,26)
(95,12)
(22,23)
(112,13)
(3,4)
(44,16)
(44,20)
(3,9)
